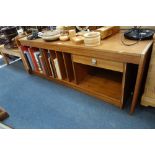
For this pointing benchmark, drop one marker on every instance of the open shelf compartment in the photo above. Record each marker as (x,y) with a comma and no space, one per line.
(105,84)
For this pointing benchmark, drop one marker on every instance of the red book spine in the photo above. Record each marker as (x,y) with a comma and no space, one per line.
(23,48)
(33,59)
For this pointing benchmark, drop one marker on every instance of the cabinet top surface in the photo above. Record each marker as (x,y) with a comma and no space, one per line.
(111,44)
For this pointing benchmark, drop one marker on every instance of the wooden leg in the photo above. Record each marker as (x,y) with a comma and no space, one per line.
(139,80)
(3,114)
(26,66)
(5,58)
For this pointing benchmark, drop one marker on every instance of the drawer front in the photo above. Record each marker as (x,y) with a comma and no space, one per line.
(96,62)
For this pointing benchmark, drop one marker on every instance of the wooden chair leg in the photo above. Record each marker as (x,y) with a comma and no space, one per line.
(3,114)
(5,58)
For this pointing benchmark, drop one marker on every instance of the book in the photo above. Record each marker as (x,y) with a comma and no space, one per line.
(51,67)
(57,68)
(23,48)
(31,52)
(42,64)
(36,53)
(29,59)
(49,64)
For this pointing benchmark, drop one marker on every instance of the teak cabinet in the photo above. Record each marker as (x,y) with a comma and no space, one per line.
(110,71)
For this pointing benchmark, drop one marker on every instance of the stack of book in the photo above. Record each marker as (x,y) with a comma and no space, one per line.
(54,66)
(41,62)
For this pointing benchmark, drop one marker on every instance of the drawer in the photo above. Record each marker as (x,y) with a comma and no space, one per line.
(96,62)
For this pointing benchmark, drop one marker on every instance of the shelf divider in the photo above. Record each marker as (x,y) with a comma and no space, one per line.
(61,64)
(68,66)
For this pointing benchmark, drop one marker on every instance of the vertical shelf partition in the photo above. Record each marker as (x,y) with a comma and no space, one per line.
(68,66)
(61,65)
(46,62)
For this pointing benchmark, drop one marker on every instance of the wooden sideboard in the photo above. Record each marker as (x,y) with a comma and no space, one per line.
(111,71)
(148,98)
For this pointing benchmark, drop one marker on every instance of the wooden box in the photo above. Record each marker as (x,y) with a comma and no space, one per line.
(108,30)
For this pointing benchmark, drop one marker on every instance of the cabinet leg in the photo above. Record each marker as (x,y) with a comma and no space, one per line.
(26,66)
(139,80)
(5,58)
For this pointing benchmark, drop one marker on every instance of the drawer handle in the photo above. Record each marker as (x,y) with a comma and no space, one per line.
(93,61)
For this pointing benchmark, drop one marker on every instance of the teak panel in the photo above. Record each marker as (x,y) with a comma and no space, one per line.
(140,79)
(100,84)
(68,66)
(46,65)
(111,65)
(110,44)
(80,71)
(111,48)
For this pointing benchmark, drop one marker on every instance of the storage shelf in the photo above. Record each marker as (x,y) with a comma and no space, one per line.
(99,82)
(100,86)
(104,83)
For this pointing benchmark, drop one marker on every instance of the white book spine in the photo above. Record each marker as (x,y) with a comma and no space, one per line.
(49,60)
(35,55)
(57,68)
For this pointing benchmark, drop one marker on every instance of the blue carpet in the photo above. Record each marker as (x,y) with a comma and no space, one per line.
(33,102)
(1,62)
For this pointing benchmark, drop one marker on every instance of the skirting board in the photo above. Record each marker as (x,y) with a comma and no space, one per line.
(147,101)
